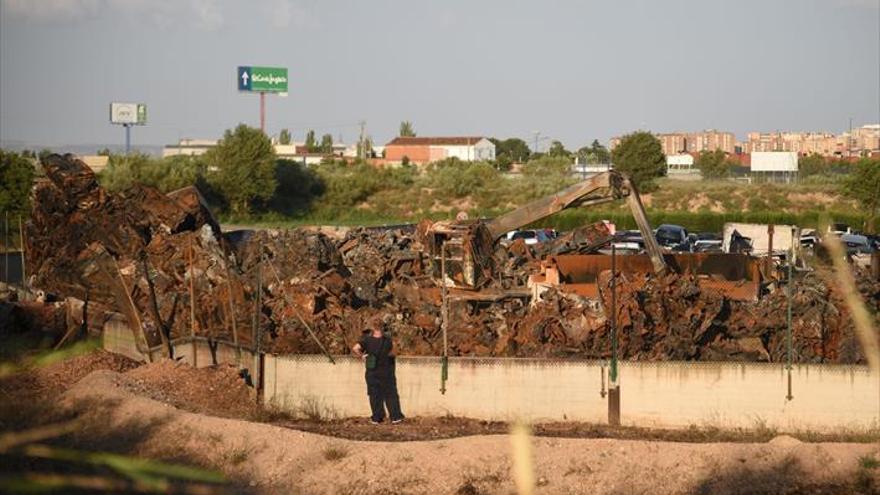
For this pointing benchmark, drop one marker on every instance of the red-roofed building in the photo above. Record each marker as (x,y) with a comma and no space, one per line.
(420,150)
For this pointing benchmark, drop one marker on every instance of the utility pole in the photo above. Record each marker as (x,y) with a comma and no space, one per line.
(263,111)
(537,133)
(849,139)
(362,149)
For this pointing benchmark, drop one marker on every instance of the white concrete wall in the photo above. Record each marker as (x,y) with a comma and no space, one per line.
(667,394)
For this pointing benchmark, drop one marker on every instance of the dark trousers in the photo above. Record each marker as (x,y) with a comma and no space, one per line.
(382,390)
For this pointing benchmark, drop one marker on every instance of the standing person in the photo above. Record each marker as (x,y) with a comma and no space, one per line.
(376,350)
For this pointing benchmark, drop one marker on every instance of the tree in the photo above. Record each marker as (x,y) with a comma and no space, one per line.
(326,144)
(124,170)
(311,144)
(16,178)
(713,164)
(284,137)
(594,153)
(640,156)
(514,149)
(812,165)
(406,129)
(863,185)
(557,150)
(244,161)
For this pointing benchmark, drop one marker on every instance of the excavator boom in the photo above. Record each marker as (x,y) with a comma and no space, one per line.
(464,249)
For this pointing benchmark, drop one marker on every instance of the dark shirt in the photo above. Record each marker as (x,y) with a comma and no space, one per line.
(379,347)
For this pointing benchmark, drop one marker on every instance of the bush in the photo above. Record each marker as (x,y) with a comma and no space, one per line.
(16,177)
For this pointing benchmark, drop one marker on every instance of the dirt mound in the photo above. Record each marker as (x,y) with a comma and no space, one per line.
(216,390)
(51,380)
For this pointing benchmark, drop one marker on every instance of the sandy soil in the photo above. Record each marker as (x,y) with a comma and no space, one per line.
(273,459)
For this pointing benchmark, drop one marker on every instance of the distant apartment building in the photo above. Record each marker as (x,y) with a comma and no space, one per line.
(676,143)
(864,140)
(420,150)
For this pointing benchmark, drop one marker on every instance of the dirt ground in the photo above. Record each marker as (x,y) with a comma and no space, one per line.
(273,459)
(208,417)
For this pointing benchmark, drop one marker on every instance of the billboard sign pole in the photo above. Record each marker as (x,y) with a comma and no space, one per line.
(127,115)
(253,79)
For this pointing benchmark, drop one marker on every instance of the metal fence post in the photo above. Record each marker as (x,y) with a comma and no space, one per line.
(6,246)
(613,383)
(444,323)
(788,339)
(22,254)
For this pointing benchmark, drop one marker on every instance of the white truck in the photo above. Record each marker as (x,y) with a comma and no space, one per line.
(784,237)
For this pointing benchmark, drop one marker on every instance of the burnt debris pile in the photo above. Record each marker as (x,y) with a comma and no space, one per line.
(162,262)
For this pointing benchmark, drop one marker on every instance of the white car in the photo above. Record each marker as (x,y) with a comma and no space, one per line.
(530,237)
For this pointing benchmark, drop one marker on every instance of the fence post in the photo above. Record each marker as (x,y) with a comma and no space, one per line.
(22,254)
(6,246)
(788,338)
(192,306)
(613,383)
(444,317)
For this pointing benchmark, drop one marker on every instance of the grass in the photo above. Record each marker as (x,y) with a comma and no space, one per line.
(334,453)
(868,462)
(716,203)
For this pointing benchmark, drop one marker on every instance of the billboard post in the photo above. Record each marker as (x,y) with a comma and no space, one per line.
(127,115)
(253,79)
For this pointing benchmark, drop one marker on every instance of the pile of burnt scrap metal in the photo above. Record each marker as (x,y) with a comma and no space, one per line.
(162,261)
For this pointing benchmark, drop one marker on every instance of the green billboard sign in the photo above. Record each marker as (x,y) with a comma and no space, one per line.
(262,79)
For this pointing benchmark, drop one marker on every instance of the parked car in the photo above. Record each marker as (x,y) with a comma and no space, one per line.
(809,238)
(839,229)
(857,244)
(530,237)
(628,241)
(673,237)
(705,242)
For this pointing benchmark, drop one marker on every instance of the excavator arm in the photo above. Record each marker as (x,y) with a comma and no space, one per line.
(600,188)
(464,249)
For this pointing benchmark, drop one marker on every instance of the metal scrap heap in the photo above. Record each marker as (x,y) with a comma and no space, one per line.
(161,261)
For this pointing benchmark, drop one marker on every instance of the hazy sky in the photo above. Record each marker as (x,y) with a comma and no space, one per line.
(573,70)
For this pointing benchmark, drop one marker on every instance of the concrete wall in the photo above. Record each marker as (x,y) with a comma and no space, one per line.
(668,394)
(658,394)
(118,338)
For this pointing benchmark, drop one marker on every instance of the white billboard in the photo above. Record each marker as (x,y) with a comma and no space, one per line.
(774,161)
(128,113)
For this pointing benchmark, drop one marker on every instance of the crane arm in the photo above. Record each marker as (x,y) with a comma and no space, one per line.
(599,188)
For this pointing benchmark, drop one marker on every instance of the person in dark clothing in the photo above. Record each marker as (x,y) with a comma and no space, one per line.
(376,350)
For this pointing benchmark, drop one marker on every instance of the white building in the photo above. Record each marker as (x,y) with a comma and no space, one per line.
(775,166)
(432,149)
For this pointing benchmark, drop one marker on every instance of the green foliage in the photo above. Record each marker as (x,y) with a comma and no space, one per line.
(311,145)
(640,156)
(457,179)
(124,170)
(863,185)
(812,165)
(594,153)
(284,137)
(557,150)
(407,129)
(244,161)
(326,144)
(166,174)
(346,187)
(511,150)
(298,186)
(16,178)
(545,175)
(713,164)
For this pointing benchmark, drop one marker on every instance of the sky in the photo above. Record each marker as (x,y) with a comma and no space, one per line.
(570,70)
